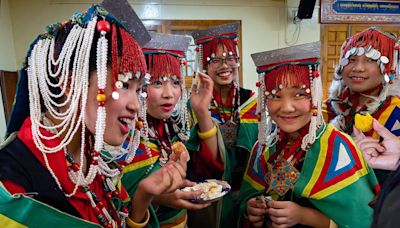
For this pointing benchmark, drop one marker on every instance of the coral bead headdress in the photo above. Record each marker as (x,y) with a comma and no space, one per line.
(208,40)
(165,55)
(379,46)
(105,37)
(293,66)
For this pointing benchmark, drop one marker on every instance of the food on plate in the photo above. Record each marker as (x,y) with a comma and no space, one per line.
(211,189)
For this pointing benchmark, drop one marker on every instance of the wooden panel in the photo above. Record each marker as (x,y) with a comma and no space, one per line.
(332,38)
(8,84)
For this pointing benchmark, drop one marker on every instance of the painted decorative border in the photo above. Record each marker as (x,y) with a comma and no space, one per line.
(360,11)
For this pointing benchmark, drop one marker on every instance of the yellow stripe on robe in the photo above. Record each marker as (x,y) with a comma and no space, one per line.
(9,223)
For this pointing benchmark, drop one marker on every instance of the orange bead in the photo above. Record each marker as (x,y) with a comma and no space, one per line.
(315,111)
(101,97)
(139,124)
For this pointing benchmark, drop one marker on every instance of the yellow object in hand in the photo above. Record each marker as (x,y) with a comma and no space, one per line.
(363,123)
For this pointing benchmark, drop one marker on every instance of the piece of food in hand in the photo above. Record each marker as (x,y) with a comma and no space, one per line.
(363,123)
(178,148)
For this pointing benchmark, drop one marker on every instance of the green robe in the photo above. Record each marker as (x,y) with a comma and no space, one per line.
(234,159)
(21,211)
(335,179)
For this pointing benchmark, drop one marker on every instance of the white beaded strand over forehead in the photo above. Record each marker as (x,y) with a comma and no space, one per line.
(39,88)
(72,112)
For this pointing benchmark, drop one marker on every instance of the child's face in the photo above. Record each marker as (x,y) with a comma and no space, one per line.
(162,96)
(119,113)
(290,108)
(222,69)
(362,74)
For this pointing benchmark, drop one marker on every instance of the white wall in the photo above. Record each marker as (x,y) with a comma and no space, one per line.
(7,53)
(264,22)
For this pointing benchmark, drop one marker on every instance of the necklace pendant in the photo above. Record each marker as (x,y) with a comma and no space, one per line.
(281,177)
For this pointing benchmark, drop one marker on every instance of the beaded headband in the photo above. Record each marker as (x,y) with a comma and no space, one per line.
(293,66)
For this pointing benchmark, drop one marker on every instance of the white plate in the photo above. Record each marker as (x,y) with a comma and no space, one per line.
(225,188)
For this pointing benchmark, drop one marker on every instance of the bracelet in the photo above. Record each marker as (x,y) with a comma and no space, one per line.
(208,134)
(133,224)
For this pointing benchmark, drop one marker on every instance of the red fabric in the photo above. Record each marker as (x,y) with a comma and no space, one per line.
(205,166)
(58,164)
(228,103)
(13,187)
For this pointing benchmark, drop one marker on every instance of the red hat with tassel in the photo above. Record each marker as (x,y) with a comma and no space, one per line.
(296,66)
(208,41)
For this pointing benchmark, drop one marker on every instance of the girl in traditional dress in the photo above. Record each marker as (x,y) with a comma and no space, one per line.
(366,81)
(302,172)
(164,126)
(69,103)
(220,140)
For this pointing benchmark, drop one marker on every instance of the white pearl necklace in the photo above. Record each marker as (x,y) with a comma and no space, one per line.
(72,117)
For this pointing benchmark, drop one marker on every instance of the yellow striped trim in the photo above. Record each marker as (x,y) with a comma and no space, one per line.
(151,145)
(383,118)
(246,106)
(320,164)
(250,121)
(141,164)
(9,223)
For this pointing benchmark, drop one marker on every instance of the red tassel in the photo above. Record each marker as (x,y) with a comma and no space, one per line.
(288,76)
(163,65)
(132,59)
(114,55)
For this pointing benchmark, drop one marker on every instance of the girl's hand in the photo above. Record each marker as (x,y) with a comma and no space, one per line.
(180,199)
(256,210)
(200,100)
(167,179)
(284,213)
(383,155)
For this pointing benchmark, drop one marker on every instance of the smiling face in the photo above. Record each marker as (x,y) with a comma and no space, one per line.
(361,74)
(223,68)
(290,108)
(119,113)
(162,96)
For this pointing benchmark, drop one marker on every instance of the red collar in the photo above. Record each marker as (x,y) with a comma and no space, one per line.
(57,161)
(228,103)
